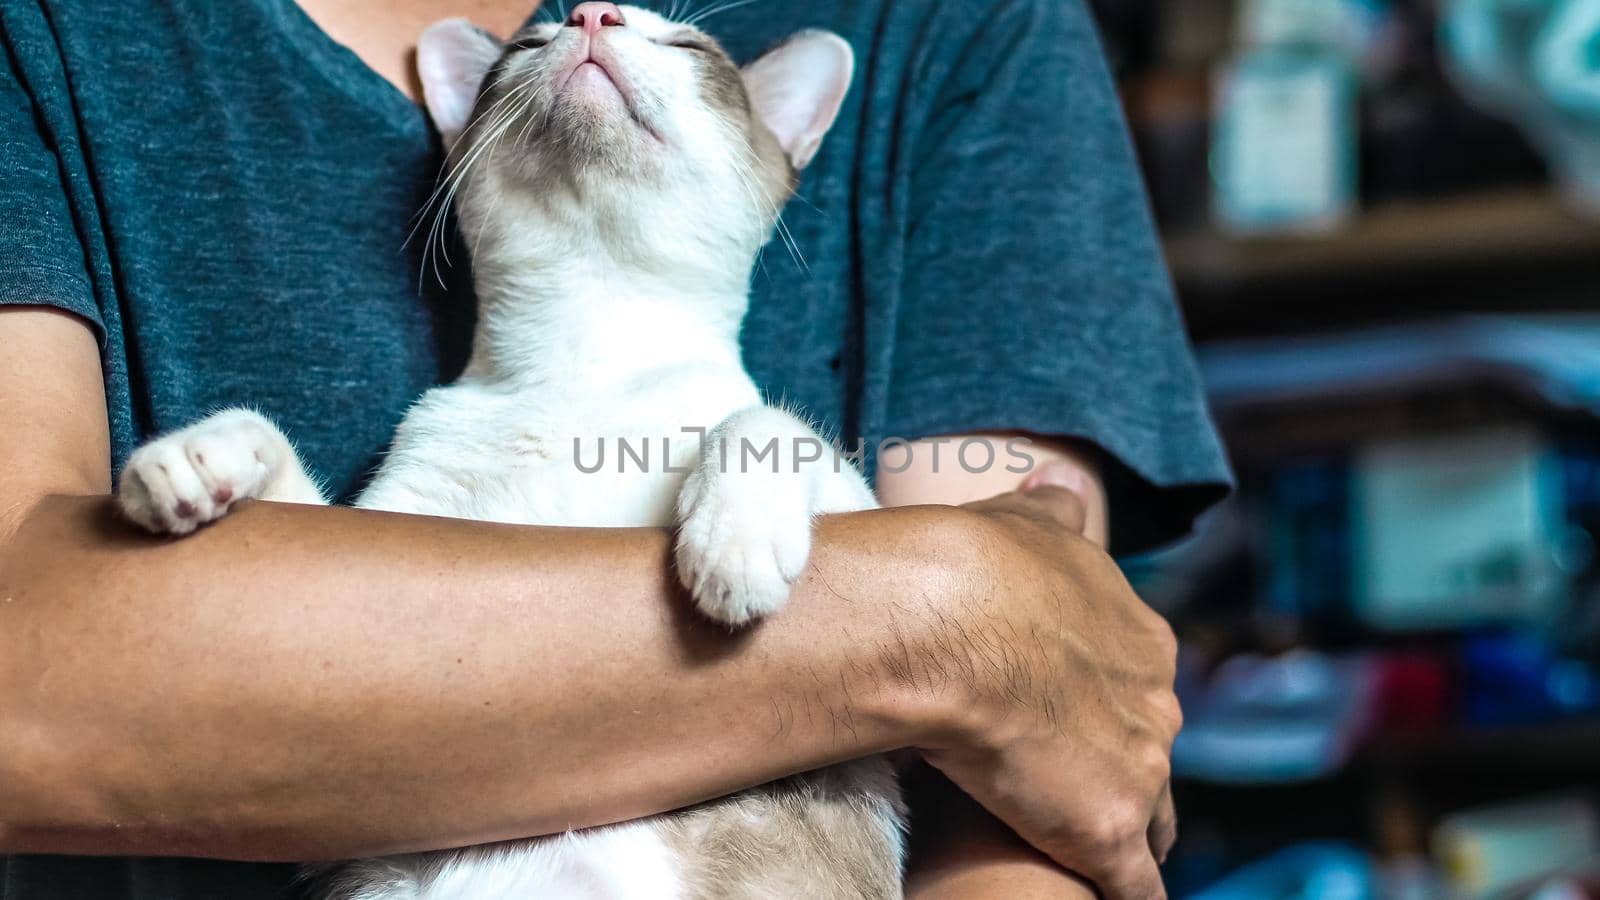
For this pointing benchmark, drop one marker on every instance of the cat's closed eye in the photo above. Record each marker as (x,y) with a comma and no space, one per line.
(691,43)
(530,42)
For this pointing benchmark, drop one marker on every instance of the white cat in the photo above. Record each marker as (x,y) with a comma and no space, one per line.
(615,177)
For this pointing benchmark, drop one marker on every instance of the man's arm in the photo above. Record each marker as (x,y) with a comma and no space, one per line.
(301,682)
(961,851)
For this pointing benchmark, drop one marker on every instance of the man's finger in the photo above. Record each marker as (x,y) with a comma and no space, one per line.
(1062,505)
(1134,876)
(1163,831)
(1061,473)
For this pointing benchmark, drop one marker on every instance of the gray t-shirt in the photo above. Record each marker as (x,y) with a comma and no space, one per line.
(226,193)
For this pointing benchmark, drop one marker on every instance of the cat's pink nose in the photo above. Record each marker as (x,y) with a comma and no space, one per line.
(592,17)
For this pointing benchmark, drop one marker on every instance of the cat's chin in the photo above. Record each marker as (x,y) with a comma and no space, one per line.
(593,116)
(589,148)
(591,85)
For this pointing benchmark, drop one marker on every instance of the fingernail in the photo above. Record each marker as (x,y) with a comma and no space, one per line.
(1057,473)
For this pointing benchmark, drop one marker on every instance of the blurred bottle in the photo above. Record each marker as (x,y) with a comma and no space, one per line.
(1400,829)
(1487,852)
(1284,153)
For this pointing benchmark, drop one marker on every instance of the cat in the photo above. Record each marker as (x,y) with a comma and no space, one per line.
(615,177)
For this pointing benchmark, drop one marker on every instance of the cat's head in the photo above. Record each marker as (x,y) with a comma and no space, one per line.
(627,128)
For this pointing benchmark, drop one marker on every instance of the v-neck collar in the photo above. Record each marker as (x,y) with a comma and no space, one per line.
(347,71)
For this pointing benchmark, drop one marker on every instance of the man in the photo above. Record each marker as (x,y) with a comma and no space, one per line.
(205,205)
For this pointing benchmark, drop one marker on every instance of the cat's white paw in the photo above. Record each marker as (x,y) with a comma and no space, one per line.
(186,479)
(743,540)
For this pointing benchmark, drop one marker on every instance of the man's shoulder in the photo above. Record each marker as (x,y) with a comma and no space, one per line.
(881,27)
(861,16)
(900,44)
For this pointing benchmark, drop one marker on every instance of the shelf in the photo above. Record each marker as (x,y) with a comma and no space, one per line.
(1556,746)
(1557,749)
(1520,229)
(1514,251)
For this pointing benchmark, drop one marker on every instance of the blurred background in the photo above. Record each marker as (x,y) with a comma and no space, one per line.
(1383,220)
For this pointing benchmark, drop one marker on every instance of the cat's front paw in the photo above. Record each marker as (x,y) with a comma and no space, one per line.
(742,542)
(186,479)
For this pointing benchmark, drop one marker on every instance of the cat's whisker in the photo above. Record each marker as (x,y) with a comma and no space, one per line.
(532,95)
(445,165)
(747,178)
(438,238)
(682,9)
(439,200)
(814,208)
(499,114)
(544,121)
(703,15)
(447,169)
(501,123)
(794,246)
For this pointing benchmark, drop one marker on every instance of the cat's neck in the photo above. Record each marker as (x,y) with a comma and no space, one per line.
(577,327)
(583,286)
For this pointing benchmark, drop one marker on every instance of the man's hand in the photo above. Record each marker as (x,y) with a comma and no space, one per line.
(1062,681)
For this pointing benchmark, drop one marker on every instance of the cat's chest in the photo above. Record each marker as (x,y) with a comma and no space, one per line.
(616,461)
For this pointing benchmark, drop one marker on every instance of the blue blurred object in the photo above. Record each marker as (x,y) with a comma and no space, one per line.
(1290,718)
(1518,679)
(1533,62)
(1458,529)
(1322,871)
(1553,359)
(1440,528)
(1307,570)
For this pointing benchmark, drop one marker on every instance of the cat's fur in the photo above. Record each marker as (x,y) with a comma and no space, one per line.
(615,209)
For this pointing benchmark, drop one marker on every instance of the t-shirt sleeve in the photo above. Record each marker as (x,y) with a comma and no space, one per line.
(1034,293)
(42,259)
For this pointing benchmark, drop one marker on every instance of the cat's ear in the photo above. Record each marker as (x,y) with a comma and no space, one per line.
(453,56)
(798,87)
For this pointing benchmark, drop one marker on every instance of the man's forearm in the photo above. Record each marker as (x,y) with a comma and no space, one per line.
(299,683)
(960,850)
